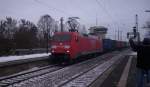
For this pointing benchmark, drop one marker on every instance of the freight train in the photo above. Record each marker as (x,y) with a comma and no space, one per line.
(67,46)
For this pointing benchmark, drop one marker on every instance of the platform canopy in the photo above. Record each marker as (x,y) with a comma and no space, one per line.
(98,29)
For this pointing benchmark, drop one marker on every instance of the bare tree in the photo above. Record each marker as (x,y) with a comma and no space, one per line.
(26,35)
(7,30)
(46,28)
(10,26)
(45,24)
(2,28)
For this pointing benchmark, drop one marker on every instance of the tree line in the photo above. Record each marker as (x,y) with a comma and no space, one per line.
(24,34)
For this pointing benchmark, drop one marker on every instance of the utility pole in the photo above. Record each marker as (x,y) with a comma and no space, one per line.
(61,24)
(47,38)
(136,26)
(96,19)
(115,35)
(118,34)
(136,22)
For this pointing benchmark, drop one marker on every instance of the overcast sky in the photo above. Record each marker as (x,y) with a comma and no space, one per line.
(114,14)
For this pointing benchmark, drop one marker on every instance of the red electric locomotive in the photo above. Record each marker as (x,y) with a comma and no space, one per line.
(68,46)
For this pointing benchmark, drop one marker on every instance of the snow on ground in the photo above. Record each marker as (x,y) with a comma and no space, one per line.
(13,58)
(133,53)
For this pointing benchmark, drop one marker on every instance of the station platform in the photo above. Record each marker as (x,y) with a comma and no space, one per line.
(124,74)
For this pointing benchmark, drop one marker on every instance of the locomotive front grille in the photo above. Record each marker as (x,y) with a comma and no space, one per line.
(61,57)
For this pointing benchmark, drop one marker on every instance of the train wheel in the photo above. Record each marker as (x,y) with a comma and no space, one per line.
(69,62)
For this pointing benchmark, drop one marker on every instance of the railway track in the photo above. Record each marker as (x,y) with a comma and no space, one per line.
(85,79)
(59,76)
(16,78)
(62,76)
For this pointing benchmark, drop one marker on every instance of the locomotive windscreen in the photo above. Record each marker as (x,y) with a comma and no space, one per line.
(62,37)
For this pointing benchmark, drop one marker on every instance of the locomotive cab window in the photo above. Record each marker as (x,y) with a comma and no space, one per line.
(62,37)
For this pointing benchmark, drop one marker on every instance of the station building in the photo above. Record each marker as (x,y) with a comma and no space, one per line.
(99,31)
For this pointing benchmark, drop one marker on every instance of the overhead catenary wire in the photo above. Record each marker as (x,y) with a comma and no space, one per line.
(106,11)
(52,8)
(55,9)
(103,8)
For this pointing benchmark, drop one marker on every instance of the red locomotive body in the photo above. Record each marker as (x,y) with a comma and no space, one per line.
(120,44)
(70,45)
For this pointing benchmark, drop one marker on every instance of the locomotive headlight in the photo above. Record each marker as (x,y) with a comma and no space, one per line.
(53,46)
(66,46)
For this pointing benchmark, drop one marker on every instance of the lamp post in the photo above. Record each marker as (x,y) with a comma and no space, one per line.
(61,23)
